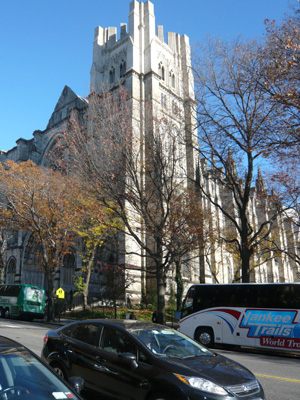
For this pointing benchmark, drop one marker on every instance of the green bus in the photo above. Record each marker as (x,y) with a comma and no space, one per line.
(22,301)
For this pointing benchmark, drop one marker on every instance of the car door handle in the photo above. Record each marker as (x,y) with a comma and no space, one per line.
(68,347)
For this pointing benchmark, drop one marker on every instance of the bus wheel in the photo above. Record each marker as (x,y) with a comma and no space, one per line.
(205,336)
(6,313)
(1,312)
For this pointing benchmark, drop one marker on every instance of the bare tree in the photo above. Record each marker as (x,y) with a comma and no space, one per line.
(234,124)
(141,176)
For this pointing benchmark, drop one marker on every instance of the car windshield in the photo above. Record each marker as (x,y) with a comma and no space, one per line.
(24,376)
(169,343)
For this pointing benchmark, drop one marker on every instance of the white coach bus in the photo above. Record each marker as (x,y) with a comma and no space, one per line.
(255,315)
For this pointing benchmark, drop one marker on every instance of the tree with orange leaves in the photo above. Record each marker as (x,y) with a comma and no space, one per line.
(37,200)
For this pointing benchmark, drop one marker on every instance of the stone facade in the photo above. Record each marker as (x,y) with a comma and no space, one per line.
(158,72)
(21,264)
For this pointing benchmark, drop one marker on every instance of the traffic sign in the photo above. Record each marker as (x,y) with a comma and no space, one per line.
(60,293)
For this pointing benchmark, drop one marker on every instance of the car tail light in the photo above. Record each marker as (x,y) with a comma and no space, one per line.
(45,339)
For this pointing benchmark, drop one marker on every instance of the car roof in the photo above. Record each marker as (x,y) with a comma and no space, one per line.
(6,342)
(126,324)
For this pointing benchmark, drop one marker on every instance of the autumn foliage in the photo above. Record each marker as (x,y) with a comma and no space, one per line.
(38,200)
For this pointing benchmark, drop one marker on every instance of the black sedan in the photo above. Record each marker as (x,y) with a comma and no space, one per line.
(127,359)
(24,376)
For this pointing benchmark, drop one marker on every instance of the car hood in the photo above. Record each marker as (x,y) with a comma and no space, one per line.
(218,369)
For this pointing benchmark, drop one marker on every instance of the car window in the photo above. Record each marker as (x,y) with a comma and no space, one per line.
(67,331)
(143,358)
(115,341)
(169,343)
(20,369)
(87,333)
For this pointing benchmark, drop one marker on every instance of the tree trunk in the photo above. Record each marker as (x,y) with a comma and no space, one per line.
(246,250)
(179,284)
(161,291)
(246,254)
(88,278)
(50,312)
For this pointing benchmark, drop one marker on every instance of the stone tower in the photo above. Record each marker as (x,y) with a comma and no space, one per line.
(150,69)
(153,72)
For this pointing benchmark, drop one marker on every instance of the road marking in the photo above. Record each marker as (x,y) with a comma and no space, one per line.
(278,378)
(10,326)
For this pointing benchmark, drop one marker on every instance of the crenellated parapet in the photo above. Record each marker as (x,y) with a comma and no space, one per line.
(140,50)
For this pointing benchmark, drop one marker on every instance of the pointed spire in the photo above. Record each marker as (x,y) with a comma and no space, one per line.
(230,165)
(260,183)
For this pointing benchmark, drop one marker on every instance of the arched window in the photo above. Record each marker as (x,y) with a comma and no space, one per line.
(32,271)
(163,73)
(173,80)
(162,70)
(112,75)
(11,271)
(67,271)
(122,69)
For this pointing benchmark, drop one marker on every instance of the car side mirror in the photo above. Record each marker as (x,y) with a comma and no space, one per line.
(129,359)
(77,383)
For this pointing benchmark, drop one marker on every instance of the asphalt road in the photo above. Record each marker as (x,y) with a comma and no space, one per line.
(279,375)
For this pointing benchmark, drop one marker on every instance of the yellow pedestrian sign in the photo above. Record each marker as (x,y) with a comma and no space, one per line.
(60,293)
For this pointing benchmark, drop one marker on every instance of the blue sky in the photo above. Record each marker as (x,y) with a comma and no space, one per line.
(47,44)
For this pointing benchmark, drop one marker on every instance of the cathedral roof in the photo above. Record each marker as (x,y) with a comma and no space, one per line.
(68,100)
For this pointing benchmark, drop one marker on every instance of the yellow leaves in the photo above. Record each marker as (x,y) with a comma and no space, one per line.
(91,220)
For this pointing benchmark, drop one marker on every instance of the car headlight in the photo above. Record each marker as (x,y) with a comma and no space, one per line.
(202,384)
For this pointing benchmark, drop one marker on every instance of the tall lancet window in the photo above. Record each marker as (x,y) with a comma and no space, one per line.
(162,70)
(122,69)
(112,75)
(172,75)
